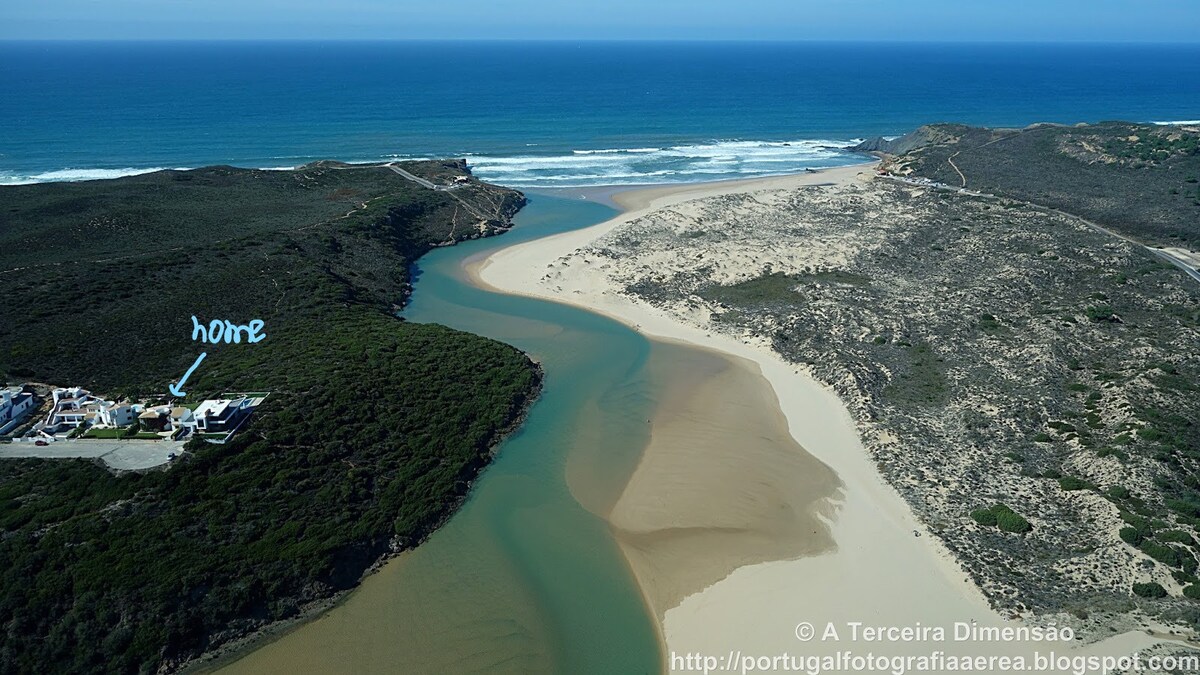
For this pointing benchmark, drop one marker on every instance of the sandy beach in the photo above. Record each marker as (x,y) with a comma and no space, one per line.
(865,557)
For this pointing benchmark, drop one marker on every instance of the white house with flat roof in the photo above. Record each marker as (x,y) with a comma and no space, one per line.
(117,414)
(72,406)
(222,414)
(15,404)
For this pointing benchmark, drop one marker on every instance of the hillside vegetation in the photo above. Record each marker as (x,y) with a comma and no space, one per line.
(373,433)
(1141,180)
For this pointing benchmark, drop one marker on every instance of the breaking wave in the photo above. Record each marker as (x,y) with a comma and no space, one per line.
(674,164)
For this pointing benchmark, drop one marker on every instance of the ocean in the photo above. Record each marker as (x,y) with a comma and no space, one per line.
(546,113)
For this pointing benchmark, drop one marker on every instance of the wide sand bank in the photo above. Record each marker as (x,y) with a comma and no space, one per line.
(882,567)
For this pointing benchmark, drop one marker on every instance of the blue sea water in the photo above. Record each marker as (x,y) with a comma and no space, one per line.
(547,114)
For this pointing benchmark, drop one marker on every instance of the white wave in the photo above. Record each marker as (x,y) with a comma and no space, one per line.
(73,175)
(595,166)
(1175,123)
(677,163)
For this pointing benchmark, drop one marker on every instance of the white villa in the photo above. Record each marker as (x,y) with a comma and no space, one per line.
(119,415)
(15,403)
(73,407)
(222,415)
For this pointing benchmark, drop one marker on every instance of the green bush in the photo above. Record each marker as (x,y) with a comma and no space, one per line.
(1071,483)
(984,517)
(1131,536)
(1176,536)
(1192,591)
(1167,555)
(1003,517)
(1013,522)
(1150,590)
(1099,313)
(1118,492)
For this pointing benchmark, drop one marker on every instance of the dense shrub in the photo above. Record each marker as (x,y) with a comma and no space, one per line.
(1176,536)
(1167,555)
(1152,589)
(1071,483)
(1003,517)
(1118,492)
(1131,536)
(984,517)
(1013,522)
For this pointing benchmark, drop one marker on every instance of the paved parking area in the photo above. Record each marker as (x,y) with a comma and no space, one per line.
(118,454)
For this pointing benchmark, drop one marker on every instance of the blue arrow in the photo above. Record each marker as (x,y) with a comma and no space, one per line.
(175,388)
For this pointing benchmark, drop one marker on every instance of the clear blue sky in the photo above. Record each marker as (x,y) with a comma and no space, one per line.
(993,20)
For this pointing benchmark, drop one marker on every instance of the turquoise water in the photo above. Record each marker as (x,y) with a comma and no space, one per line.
(594,403)
(526,577)
(548,113)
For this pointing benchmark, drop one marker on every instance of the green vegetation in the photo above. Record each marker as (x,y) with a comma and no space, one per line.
(989,323)
(104,433)
(1150,590)
(922,382)
(776,288)
(1133,178)
(1151,148)
(1101,313)
(836,277)
(1118,492)
(1131,535)
(1071,483)
(761,291)
(371,437)
(1003,517)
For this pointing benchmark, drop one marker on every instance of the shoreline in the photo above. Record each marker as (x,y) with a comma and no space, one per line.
(885,564)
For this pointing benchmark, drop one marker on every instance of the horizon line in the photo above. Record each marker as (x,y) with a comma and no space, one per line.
(591,40)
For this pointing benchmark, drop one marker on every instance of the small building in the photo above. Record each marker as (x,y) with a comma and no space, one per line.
(71,407)
(182,418)
(15,404)
(157,418)
(221,415)
(116,414)
(163,418)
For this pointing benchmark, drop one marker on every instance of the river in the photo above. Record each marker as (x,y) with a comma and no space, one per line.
(524,578)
